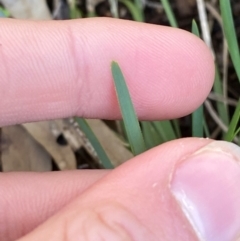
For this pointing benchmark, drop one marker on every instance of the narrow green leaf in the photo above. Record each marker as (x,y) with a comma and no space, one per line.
(4,13)
(195,29)
(230,34)
(140,6)
(197,115)
(177,129)
(75,13)
(95,143)
(165,130)
(218,89)
(135,11)
(237,131)
(92,14)
(131,123)
(169,13)
(123,132)
(206,129)
(150,134)
(197,122)
(234,124)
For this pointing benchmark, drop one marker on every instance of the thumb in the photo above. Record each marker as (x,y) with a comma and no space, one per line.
(187,189)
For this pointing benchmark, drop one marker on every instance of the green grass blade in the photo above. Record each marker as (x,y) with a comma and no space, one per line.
(140,6)
(197,122)
(123,132)
(150,134)
(169,13)
(165,130)
(177,129)
(230,34)
(4,13)
(195,29)
(234,124)
(75,13)
(95,143)
(135,11)
(131,123)
(237,131)
(197,115)
(206,129)
(221,107)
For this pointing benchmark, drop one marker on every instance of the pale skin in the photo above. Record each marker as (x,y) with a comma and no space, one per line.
(61,69)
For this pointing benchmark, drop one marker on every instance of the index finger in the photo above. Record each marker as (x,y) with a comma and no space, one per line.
(60,69)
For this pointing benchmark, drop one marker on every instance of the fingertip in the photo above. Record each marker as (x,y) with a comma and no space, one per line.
(205,184)
(169,72)
(182,75)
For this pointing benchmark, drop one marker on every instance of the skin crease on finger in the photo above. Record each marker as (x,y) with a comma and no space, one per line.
(134,198)
(60,69)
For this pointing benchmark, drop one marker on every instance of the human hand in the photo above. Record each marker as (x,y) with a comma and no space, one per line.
(187,189)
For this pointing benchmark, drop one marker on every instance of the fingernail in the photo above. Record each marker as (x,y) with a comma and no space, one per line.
(207,187)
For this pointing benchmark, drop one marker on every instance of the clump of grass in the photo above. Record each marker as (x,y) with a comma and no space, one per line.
(230,34)
(234,127)
(145,135)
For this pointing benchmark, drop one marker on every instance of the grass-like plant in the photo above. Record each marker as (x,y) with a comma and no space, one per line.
(197,116)
(144,135)
(95,143)
(4,13)
(230,34)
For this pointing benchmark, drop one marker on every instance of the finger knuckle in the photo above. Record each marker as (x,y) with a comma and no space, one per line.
(105,222)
